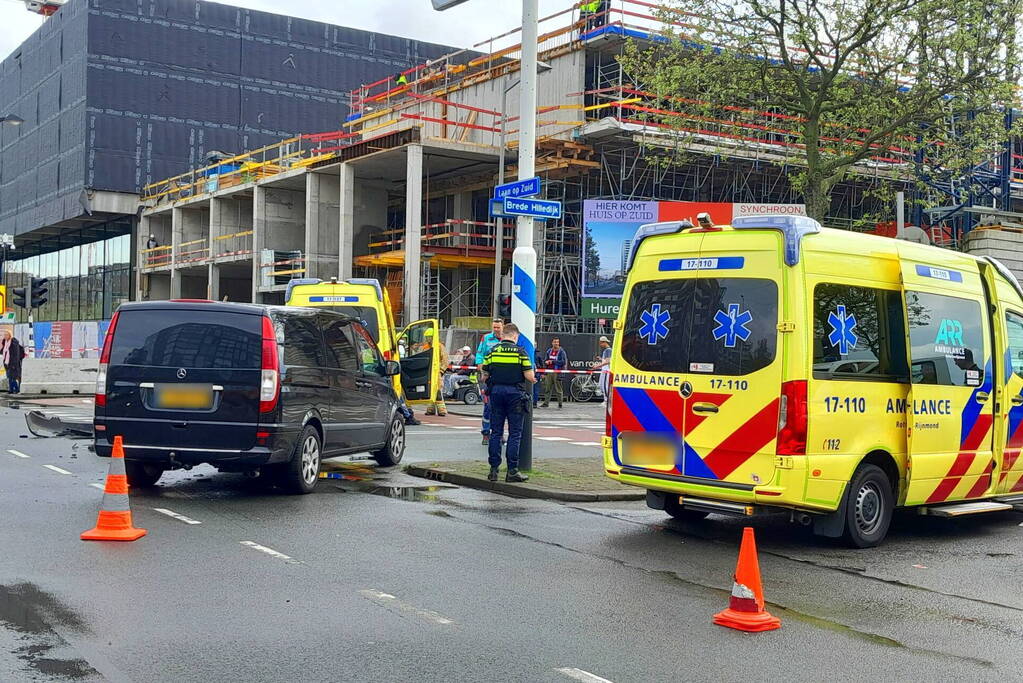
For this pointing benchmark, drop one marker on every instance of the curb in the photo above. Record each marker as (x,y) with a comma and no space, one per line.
(540,492)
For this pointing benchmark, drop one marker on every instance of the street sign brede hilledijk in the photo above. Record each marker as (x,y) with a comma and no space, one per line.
(537,208)
(520,188)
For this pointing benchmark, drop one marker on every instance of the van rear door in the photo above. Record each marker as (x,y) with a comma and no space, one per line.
(185,376)
(706,324)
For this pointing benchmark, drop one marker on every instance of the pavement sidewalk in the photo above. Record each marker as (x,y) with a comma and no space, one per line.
(582,412)
(565,479)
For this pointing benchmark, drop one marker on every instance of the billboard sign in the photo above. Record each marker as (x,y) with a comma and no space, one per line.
(609,226)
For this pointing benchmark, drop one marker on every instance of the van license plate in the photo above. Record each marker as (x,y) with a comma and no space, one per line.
(184,396)
(659,454)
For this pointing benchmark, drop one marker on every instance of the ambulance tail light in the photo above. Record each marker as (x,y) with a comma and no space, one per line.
(792,418)
(104,363)
(607,404)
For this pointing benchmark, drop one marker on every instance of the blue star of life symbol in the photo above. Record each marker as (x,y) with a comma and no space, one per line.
(842,326)
(655,324)
(732,325)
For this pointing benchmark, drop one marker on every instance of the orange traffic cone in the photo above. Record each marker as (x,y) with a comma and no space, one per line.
(746,606)
(114,523)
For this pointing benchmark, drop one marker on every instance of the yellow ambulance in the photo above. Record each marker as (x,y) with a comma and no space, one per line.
(773,364)
(365,300)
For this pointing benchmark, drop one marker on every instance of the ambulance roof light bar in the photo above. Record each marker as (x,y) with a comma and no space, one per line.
(792,228)
(652,229)
(297,281)
(371,281)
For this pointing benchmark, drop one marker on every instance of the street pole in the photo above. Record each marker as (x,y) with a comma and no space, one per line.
(499,226)
(524,257)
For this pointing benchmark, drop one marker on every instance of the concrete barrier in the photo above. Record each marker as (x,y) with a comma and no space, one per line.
(57,376)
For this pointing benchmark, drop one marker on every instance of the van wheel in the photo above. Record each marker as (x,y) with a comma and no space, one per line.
(142,475)
(300,475)
(393,451)
(675,509)
(870,504)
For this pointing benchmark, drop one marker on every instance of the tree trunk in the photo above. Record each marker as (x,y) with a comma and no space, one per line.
(817,196)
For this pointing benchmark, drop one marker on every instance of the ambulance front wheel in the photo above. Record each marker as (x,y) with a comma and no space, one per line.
(869,506)
(675,509)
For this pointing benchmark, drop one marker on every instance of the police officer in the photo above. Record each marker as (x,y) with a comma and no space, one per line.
(508,373)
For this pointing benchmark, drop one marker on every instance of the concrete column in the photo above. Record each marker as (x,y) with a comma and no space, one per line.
(258,237)
(413,225)
(346,228)
(177,228)
(142,236)
(213,290)
(463,206)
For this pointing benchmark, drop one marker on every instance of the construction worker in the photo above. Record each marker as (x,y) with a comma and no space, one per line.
(555,359)
(508,374)
(594,12)
(486,345)
(400,79)
(437,406)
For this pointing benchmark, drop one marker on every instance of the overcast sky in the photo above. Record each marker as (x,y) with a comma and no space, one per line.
(461,26)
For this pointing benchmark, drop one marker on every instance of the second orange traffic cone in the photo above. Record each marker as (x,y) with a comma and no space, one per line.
(114,522)
(746,606)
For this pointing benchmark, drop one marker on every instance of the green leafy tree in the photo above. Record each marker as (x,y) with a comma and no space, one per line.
(917,89)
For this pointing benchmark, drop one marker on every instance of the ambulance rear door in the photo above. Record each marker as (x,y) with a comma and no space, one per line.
(419,350)
(731,384)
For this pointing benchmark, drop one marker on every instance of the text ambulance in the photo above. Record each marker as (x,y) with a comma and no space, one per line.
(776,364)
(365,300)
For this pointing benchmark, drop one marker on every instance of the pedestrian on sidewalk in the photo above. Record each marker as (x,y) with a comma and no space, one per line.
(487,345)
(12,353)
(604,365)
(508,373)
(554,360)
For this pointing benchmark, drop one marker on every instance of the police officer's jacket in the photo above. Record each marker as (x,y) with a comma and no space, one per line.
(507,364)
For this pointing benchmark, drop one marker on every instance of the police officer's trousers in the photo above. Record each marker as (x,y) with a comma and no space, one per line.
(507,403)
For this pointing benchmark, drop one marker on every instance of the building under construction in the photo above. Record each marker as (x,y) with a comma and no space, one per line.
(401,192)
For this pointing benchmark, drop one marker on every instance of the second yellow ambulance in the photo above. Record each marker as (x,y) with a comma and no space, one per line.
(776,364)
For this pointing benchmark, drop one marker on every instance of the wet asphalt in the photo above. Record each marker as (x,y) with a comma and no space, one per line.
(383,577)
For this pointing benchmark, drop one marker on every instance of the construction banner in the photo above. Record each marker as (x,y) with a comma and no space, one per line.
(610,226)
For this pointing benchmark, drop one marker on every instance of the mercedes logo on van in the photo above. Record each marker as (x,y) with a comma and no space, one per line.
(182,373)
(686,390)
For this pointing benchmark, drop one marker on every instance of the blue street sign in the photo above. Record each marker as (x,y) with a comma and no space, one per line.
(537,208)
(497,208)
(520,188)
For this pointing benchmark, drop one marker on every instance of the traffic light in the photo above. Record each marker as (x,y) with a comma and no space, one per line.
(19,297)
(39,291)
(504,306)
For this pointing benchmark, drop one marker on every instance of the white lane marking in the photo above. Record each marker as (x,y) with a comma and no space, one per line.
(458,427)
(552,438)
(86,400)
(18,454)
(580,675)
(416,432)
(585,443)
(269,551)
(97,485)
(175,515)
(56,469)
(388,600)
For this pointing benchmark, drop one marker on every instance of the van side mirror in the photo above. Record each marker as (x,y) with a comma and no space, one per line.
(392,368)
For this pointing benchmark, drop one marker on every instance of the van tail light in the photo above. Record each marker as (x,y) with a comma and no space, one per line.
(792,417)
(270,375)
(104,363)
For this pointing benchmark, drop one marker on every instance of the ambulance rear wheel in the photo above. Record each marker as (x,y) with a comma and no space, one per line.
(675,509)
(870,504)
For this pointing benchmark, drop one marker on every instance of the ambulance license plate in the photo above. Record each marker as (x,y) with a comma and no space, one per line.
(184,396)
(657,454)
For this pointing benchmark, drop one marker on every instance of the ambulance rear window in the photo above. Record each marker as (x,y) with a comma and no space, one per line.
(714,326)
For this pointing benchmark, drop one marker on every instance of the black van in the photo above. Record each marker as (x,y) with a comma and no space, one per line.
(245,388)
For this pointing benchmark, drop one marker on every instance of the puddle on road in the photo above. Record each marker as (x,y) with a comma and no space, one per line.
(415,494)
(31,614)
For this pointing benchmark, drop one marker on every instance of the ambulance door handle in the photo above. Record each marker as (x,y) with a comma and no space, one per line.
(1017,400)
(704,408)
(982,396)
